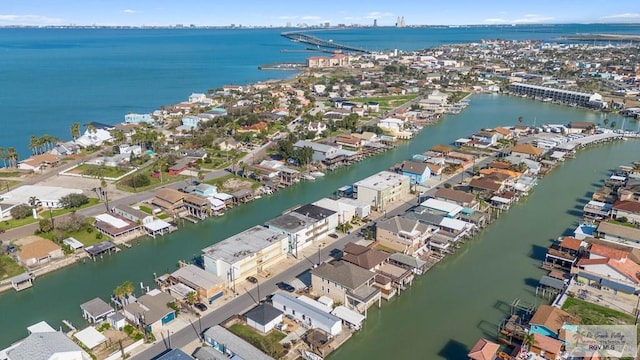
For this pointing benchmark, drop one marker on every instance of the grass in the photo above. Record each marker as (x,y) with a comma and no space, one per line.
(457,96)
(107,171)
(5,185)
(218,182)
(155,182)
(58,212)
(622,223)
(386,102)
(7,174)
(146,209)
(14,223)
(84,236)
(592,314)
(9,267)
(163,216)
(385,249)
(221,159)
(270,343)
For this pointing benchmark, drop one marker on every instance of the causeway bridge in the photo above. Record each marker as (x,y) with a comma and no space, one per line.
(297,36)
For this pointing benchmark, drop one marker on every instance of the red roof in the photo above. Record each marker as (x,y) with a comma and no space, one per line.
(608,252)
(626,205)
(547,344)
(571,243)
(484,350)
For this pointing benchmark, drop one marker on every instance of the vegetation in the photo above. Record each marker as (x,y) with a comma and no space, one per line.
(592,314)
(21,211)
(138,180)
(457,96)
(146,209)
(269,344)
(73,201)
(9,267)
(101,171)
(386,102)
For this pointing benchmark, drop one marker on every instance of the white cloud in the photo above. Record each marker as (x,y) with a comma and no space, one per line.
(377,15)
(10,19)
(351,18)
(624,16)
(129,11)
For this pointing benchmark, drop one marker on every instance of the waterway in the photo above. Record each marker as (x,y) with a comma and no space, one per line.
(449,303)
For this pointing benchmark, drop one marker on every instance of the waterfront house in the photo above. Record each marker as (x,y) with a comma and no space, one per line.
(381,189)
(457,197)
(310,316)
(402,234)
(619,234)
(197,98)
(626,210)
(96,137)
(321,152)
(620,277)
(484,350)
(39,162)
(412,263)
(96,310)
(35,251)
(578,127)
(485,185)
(630,192)
(564,253)
(115,226)
(362,209)
(231,346)
(443,229)
(135,215)
(548,320)
(349,141)
(418,172)
(207,285)
(263,317)
(65,149)
(443,208)
(132,118)
(151,310)
(47,344)
(527,151)
(546,346)
(245,254)
(596,210)
(304,225)
(196,206)
(170,200)
(484,138)
(363,256)
(346,283)
(202,189)
(344,211)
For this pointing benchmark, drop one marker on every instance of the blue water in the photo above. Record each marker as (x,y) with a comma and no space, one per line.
(51,78)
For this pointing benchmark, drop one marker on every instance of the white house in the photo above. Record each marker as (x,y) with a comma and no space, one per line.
(94,138)
(392,124)
(362,209)
(304,225)
(197,98)
(309,315)
(316,127)
(381,189)
(345,211)
(48,196)
(245,254)
(263,317)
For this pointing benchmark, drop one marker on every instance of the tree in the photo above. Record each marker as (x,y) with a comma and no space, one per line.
(34,202)
(75,130)
(45,225)
(105,192)
(191,298)
(3,156)
(72,201)
(12,156)
(201,176)
(33,144)
(21,211)
(613,124)
(136,180)
(605,121)
(304,155)
(520,119)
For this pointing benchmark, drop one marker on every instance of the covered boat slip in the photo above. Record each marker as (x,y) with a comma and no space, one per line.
(354,319)
(158,227)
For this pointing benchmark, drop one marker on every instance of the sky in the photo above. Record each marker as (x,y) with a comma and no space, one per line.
(281,12)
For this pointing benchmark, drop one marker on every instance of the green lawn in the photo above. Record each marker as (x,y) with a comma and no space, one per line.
(457,96)
(8,267)
(221,159)
(86,237)
(44,214)
(146,209)
(14,223)
(155,182)
(58,212)
(627,224)
(5,185)
(592,314)
(7,174)
(106,171)
(163,216)
(269,344)
(386,102)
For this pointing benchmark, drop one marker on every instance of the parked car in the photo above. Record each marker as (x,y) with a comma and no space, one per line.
(12,248)
(200,306)
(252,280)
(2,231)
(335,236)
(286,287)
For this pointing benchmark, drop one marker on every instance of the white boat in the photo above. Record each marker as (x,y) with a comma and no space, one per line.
(311,356)
(308,177)
(316,174)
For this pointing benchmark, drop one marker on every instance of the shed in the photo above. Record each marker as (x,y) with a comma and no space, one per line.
(96,310)
(73,243)
(263,317)
(90,337)
(117,321)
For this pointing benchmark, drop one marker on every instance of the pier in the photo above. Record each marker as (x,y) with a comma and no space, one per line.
(296,36)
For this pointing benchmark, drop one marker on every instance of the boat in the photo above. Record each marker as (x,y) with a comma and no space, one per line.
(311,356)
(308,177)
(316,173)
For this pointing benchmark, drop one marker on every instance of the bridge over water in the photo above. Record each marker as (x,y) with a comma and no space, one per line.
(297,36)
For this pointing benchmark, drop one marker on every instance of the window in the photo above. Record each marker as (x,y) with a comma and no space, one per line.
(284,307)
(293,312)
(304,317)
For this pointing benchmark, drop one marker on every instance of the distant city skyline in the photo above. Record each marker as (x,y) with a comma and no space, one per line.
(334,12)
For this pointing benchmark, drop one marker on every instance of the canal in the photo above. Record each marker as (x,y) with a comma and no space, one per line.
(440,315)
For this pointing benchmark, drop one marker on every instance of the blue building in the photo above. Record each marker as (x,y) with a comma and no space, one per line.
(418,172)
(191,121)
(218,111)
(138,118)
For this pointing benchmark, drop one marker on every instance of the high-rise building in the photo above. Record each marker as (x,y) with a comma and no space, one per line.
(400,21)
(375,22)
(288,24)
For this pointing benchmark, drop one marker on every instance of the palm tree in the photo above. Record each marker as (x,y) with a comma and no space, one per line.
(191,298)
(34,202)
(613,124)
(520,119)
(33,144)
(75,130)
(91,128)
(528,341)
(606,121)
(12,156)
(160,164)
(201,176)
